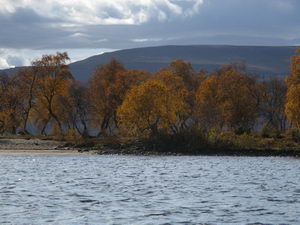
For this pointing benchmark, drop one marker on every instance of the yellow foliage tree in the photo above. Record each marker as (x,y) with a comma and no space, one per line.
(239,97)
(27,84)
(52,85)
(177,87)
(208,105)
(184,70)
(294,78)
(150,107)
(292,107)
(107,89)
(229,98)
(10,110)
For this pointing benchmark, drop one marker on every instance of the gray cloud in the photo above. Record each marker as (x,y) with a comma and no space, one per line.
(39,25)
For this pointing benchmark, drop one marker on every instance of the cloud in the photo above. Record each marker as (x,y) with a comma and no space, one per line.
(32,27)
(3,63)
(147,40)
(104,11)
(10,58)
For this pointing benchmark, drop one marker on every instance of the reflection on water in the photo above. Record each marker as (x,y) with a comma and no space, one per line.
(84,189)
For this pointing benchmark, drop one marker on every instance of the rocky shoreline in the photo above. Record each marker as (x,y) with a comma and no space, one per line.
(239,153)
(140,149)
(39,146)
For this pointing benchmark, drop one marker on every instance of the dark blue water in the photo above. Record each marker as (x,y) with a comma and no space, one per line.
(87,189)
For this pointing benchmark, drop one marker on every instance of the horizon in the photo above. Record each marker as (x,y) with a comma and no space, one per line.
(85,57)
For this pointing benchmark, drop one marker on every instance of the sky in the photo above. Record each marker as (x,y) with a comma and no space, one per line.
(31,28)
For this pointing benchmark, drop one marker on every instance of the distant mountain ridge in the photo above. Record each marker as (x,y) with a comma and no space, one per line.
(266,60)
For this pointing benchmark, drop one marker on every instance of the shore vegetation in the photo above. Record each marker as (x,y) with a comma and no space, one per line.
(176,109)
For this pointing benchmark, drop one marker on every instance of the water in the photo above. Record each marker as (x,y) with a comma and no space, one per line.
(85,189)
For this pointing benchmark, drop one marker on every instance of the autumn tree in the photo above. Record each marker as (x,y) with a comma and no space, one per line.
(239,98)
(228,98)
(10,111)
(198,78)
(176,87)
(54,78)
(27,86)
(185,70)
(107,89)
(292,107)
(190,79)
(150,107)
(208,112)
(76,106)
(274,100)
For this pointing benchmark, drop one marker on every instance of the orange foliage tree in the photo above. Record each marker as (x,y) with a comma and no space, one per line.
(151,107)
(10,111)
(176,99)
(176,87)
(27,84)
(292,107)
(240,99)
(107,89)
(208,112)
(52,84)
(230,98)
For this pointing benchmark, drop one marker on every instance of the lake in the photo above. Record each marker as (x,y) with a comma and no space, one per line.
(91,189)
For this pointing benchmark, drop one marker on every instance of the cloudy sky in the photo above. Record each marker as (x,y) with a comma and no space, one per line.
(30,28)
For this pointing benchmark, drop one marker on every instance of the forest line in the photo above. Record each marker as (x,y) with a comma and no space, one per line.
(136,103)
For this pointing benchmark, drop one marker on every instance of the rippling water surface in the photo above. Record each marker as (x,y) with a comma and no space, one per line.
(83,189)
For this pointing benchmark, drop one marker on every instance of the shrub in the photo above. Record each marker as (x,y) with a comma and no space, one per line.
(247,141)
(295,135)
(242,130)
(270,131)
(185,142)
(265,132)
(221,139)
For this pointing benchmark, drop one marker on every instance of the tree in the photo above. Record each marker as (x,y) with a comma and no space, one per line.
(27,80)
(240,99)
(189,80)
(100,94)
(294,77)
(228,99)
(208,104)
(54,78)
(177,88)
(150,107)
(274,103)
(292,107)
(107,89)
(10,111)
(76,107)
(185,71)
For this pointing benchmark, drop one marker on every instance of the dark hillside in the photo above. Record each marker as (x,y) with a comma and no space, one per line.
(262,59)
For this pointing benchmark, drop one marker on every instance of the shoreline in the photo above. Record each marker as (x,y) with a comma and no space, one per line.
(35,146)
(221,153)
(49,147)
(40,152)
(236,153)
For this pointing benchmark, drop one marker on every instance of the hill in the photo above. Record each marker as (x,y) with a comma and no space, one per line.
(266,60)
